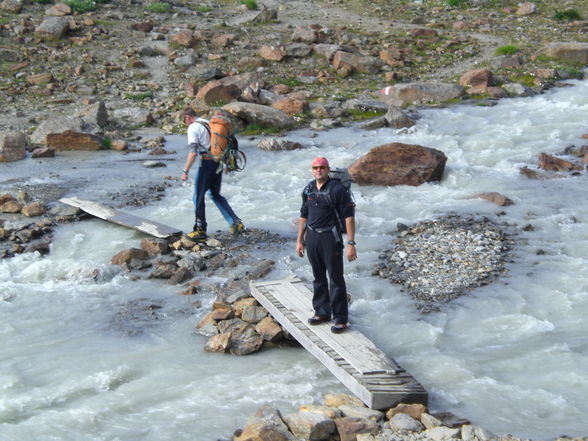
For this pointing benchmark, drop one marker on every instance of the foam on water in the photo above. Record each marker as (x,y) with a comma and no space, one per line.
(84,358)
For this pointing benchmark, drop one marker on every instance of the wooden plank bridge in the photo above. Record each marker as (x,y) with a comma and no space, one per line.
(121,218)
(363,368)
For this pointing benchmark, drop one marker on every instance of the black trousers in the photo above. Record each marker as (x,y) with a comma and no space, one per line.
(325,254)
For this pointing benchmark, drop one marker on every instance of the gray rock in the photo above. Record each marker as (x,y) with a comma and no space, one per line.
(571,52)
(132,116)
(258,114)
(402,421)
(326,50)
(12,146)
(421,93)
(9,55)
(52,28)
(441,433)
(365,105)
(95,114)
(274,144)
(310,425)
(361,412)
(60,124)
(516,89)
(397,119)
(429,421)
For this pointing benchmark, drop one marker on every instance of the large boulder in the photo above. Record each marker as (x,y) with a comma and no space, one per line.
(355,62)
(216,92)
(258,114)
(52,28)
(398,164)
(58,124)
(420,93)
(573,52)
(12,146)
(71,140)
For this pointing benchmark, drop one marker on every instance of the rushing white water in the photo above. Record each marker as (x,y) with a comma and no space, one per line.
(84,357)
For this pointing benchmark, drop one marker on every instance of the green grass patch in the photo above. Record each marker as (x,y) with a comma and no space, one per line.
(258,129)
(361,115)
(574,72)
(4,20)
(251,4)
(567,15)
(159,7)
(526,80)
(139,96)
(456,3)
(43,2)
(509,49)
(200,8)
(81,6)
(107,142)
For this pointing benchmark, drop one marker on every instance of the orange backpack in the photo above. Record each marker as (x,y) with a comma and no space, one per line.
(220,133)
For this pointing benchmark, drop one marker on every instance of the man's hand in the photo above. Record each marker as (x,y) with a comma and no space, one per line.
(299,248)
(351,253)
(184,176)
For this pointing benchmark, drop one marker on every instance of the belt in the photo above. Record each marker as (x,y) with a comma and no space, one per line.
(321,230)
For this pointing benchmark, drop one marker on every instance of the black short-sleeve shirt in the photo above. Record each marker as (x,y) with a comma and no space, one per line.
(318,207)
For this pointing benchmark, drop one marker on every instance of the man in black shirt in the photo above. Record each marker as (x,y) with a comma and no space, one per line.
(326,210)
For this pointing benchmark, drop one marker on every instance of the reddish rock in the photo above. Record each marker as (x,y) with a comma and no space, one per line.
(551,163)
(184,38)
(5,198)
(190,89)
(291,106)
(222,40)
(70,140)
(305,34)
(281,89)
(119,145)
(349,428)
(423,32)
(218,343)
(126,256)
(476,79)
(413,410)
(43,152)
(392,56)
(10,206)
(346,60)
(142,27)
(269,329)
(398,164)
(33,209)
(215,92)
(496,198)
(155,246)
(272,53)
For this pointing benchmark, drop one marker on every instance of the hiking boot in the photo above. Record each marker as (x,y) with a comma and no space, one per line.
(198,235)
(237,228)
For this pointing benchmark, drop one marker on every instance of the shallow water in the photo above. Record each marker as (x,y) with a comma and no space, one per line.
(85,357)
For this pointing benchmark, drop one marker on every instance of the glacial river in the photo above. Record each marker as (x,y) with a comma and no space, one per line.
(83,357)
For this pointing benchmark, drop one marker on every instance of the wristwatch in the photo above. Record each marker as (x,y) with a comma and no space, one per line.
(350,242)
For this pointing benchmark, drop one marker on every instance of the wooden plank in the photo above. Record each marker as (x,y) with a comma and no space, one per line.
(365,370)
(352,345)
(121,218)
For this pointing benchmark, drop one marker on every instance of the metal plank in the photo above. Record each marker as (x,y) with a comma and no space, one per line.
(352,345)
(121,218)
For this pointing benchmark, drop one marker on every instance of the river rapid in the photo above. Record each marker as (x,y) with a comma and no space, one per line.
(86,356)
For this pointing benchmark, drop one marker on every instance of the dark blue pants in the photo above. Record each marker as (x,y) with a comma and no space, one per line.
(325,254)
(208,180)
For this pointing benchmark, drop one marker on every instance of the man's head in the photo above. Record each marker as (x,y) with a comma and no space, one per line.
(320,168)
(188,115)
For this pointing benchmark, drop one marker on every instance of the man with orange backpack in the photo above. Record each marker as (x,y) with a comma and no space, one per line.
(206,139)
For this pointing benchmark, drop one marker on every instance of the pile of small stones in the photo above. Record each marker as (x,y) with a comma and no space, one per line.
(442,259)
